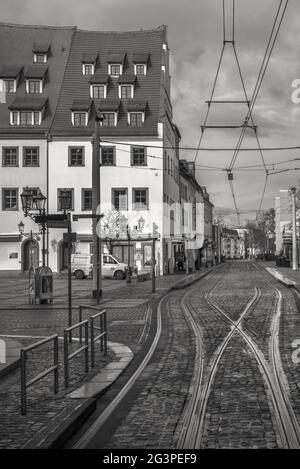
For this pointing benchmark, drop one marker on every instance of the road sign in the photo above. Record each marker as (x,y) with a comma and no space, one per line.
(73,237)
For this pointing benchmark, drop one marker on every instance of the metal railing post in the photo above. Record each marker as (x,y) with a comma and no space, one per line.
(52,369)
(66,359)
(92,342)
(80,320)
(56,365)
(105,329)
(23,382)
(101,332)
(86,340)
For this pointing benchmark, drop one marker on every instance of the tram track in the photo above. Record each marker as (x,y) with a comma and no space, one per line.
(193,420)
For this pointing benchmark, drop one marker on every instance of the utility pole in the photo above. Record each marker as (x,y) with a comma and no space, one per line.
(96,188)
(128,277)
(293,196)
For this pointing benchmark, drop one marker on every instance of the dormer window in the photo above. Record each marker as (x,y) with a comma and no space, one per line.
(88,63)
(35,77)
(126,91)
(27,111)
(110,119)
(34,86)
(109,110)
(40,53)
(26,117)
(136,119)
(115,70)
(9,77)
(9,86)
(40,58)
(88,69)
(98,86)
(126,86)
(98,91)
(140,69)
(115,64)
(136,113)
(140,61)
(80,113)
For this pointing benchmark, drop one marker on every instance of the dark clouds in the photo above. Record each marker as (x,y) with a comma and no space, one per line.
(195,40)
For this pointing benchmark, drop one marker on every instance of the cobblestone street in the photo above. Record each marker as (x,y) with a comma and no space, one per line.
(221,374)
(233,403)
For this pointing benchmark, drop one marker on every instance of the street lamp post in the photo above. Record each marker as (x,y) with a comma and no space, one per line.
(293,193)
(35,203)
(65,201)
(96,199)
(128,277)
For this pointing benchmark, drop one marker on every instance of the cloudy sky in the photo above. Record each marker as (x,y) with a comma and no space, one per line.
(195,39)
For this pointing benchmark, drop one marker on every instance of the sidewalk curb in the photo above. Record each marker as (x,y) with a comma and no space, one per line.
(10,368)
(56,438)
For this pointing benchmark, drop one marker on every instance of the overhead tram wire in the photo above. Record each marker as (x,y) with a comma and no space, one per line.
(258,78)
(193,149)
(211,97)
(263,195)
(262,72)
(203,167)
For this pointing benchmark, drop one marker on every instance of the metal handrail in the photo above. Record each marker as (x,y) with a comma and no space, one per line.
(26,384)
(102,336)
(84,348)
(103,329)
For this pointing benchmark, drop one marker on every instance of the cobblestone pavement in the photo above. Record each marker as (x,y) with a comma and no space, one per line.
(128,319)
(164,387)
(239,411)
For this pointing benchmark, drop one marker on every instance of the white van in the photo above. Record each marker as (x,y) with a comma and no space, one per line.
(81,265)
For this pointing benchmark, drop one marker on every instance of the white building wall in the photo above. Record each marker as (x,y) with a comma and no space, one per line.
(19,177)
(123,175)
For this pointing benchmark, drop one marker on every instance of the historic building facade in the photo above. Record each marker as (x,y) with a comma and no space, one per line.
(54,81)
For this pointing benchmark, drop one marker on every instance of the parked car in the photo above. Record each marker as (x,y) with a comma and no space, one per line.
(81,265)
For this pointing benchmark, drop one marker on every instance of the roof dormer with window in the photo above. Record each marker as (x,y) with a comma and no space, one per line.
(40,53)
(89,63)
(27,111)
(109,110)
(126,86)
(98,86)
(35,78)
(136,111)
(80,112)
(140,63)
(115,64)
(9,78)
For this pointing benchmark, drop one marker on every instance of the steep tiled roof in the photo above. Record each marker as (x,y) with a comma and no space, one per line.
(28,103)
(16,50)
(123,45)
(10,71)
(89,58)
(81,105)
(114,57)
(140,57)
(40,48)
(108,105)
(136,105)
(127,78)
(36,71)
(101,78)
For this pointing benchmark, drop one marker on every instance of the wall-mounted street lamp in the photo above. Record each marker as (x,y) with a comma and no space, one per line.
(32,203)
(21,227)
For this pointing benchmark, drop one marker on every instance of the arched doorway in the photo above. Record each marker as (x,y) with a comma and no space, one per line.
(30,254)
(62,255)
